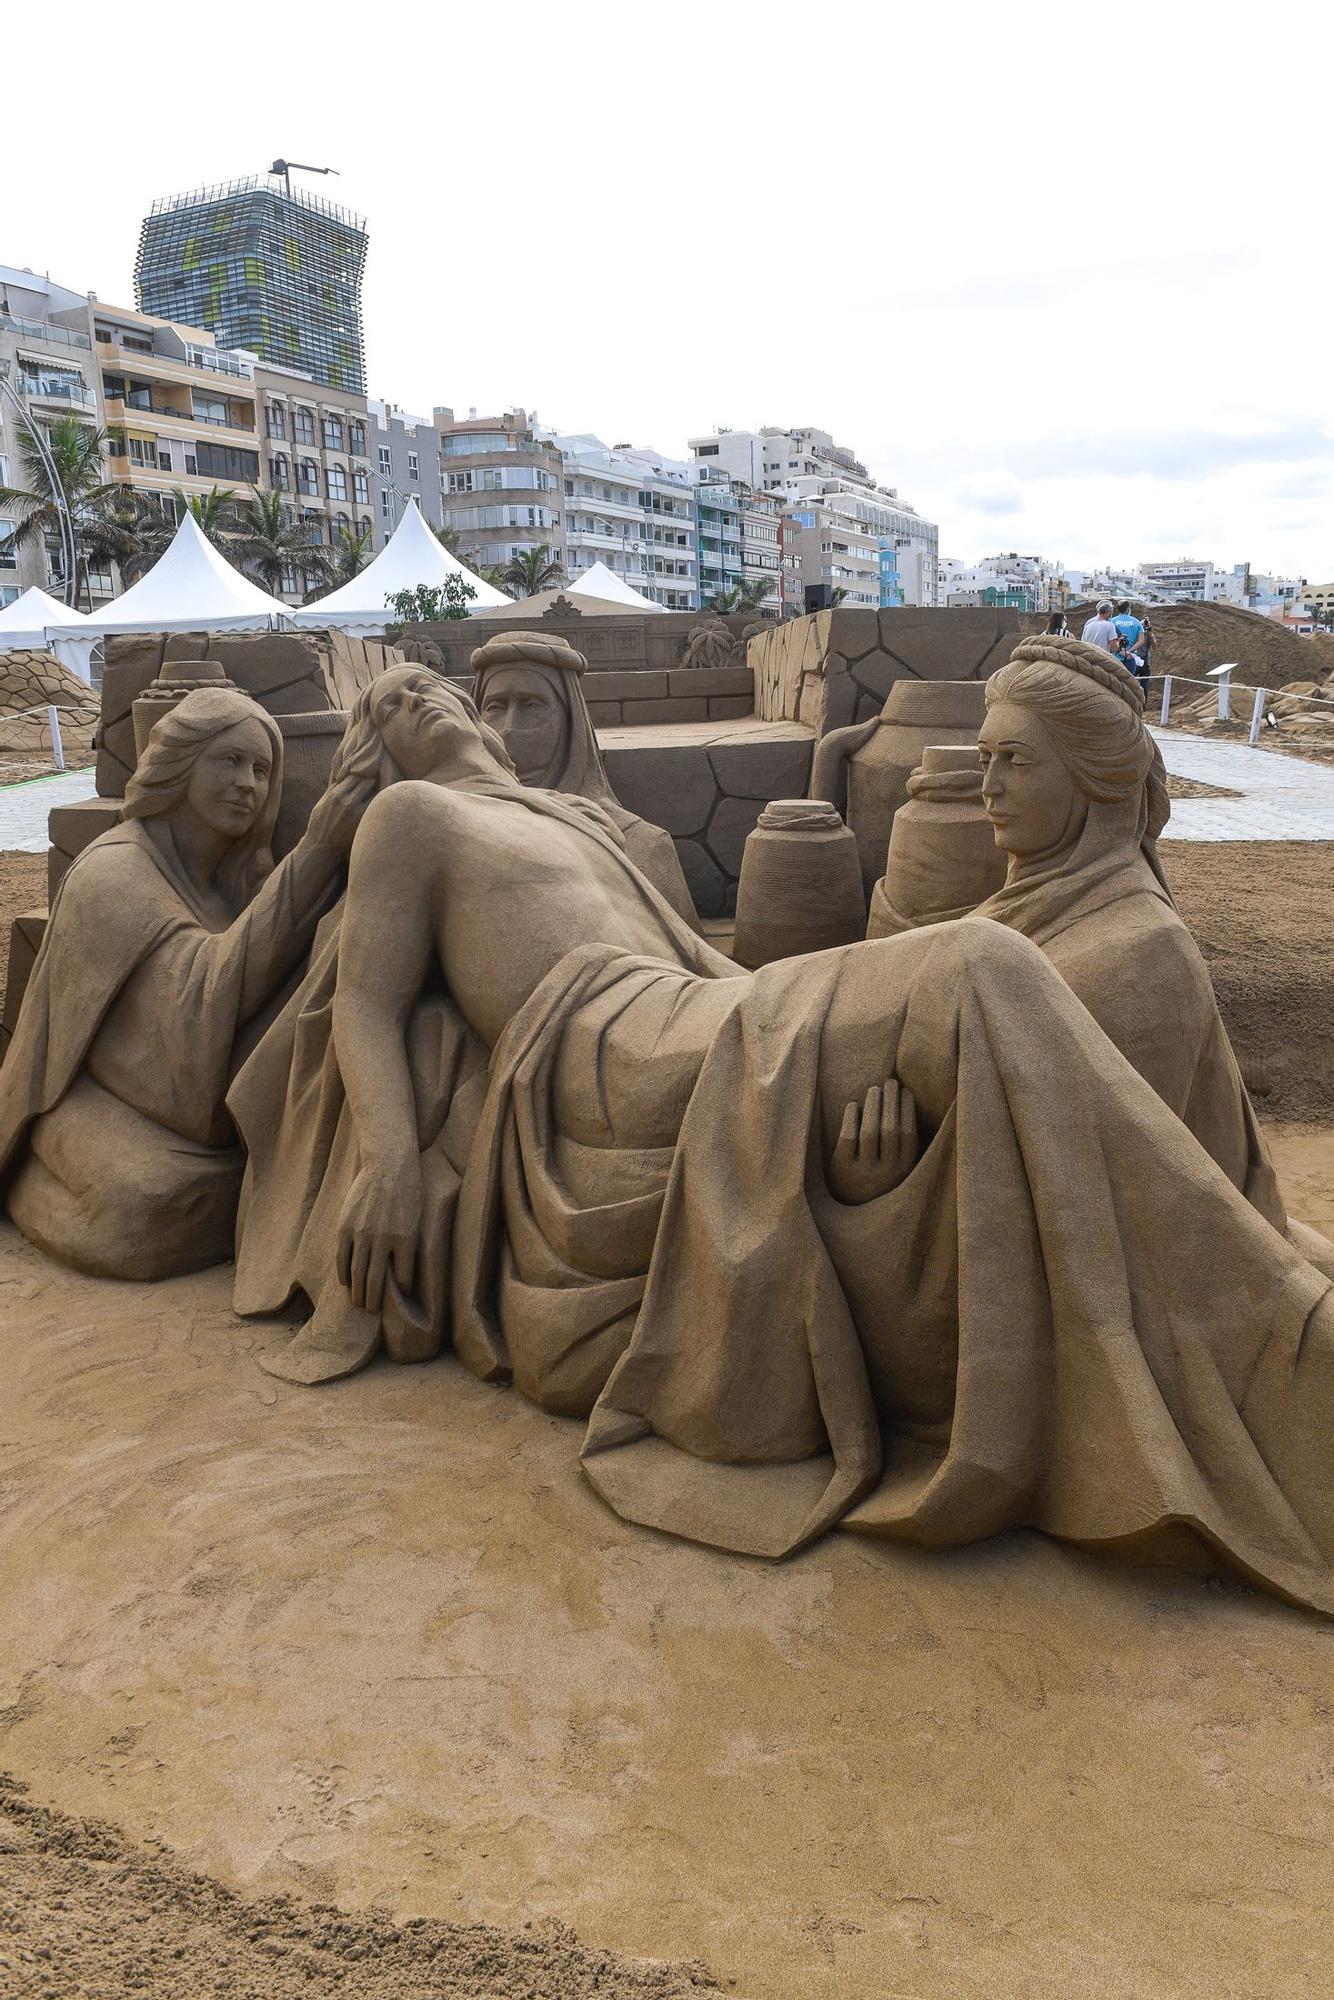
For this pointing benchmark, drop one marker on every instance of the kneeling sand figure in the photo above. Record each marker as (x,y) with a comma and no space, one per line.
(169,939)
(1011,1288)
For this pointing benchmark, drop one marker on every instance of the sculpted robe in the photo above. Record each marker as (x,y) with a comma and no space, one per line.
(122,1158)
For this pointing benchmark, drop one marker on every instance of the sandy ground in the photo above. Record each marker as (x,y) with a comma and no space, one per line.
(378,1645)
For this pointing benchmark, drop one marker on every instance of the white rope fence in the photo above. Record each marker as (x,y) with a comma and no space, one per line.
(1221,685)
(52,711)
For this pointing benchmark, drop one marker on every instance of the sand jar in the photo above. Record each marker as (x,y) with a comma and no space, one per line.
(943,858)
(801,884)
(177,679)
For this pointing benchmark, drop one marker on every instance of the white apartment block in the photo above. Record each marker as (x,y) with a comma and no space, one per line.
(634,510)
(1188,582)
(842,514)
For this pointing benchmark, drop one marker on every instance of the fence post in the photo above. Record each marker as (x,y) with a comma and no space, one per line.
(1224,694)
(57,747)
(1167,701)
(1257,717)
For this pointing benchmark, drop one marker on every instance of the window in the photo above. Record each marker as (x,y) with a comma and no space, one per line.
(307,476)
(332,433)
(337,480)
(303,426)
(8,553)
(163,459)
(386,504)
(142,451)
(386,462)
(225,461)
(412,465)
(278,472)
(361,486)
(357,438)
(460,482)
(208,409)
(314,523)
(277,420)
(287,582)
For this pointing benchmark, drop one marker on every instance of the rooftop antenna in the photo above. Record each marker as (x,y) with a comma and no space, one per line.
(288,167)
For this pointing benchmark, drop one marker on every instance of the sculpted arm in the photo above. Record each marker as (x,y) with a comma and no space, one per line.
(383,956)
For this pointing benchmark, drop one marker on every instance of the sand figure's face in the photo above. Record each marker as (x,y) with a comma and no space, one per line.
(1032,800)
(229,783)
(419,721)
(528,714)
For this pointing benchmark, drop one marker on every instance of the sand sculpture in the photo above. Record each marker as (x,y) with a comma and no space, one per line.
(800,887)
(526,686)
(943,859)
(168,939)
(864,769)
(891,1235)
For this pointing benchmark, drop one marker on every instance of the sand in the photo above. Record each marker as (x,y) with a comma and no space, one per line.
(379,1646)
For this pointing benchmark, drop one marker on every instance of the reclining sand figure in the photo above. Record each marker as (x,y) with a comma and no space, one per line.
(1036,1300)
(169,940)
(1077,795)
(526,686)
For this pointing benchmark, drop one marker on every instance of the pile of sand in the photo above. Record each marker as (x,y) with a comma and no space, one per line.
(1193,638)
(86,1915)
(29,680)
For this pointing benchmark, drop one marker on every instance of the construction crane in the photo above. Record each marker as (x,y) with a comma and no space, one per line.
(288,167)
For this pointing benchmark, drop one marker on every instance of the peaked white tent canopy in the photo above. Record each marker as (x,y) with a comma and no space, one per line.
(188,588)
(411,556)
(31,621)
(604,584)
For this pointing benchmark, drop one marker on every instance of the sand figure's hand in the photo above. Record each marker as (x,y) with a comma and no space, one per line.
(378,1230)
(877,1144)
(337,812)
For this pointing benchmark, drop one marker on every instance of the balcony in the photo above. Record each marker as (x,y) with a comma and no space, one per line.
(214,362)
(40,329)
(56,389)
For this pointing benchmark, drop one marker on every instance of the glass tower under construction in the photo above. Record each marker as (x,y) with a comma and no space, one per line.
(277,273)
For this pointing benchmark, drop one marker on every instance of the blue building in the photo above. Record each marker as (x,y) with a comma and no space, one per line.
(891,589)
(719,534)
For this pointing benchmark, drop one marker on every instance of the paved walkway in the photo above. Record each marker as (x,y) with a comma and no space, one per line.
(24,807)
(1282,798)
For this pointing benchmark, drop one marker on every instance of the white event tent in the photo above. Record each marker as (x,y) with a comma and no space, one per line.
(608,588)
(32,619)
(411,556)
(190,588)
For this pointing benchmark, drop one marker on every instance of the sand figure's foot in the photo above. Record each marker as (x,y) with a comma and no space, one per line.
(338,1339)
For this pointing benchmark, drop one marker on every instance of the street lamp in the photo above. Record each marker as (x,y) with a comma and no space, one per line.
(38,436)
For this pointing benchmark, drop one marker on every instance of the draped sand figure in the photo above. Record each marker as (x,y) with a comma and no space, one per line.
(1077,796)
(169,939)
(891,1233)
(526,686)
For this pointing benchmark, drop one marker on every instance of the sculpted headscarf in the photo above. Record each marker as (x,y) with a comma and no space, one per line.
(560,666)
(1093,709)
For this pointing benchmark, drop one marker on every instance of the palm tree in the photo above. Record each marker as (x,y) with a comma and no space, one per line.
(268,543)
(751,594)
(450,539)
(532,571)
(125,530)
(352,552)
(492,573)
(77,450)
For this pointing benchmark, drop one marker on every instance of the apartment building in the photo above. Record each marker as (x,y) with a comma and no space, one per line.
(634,510)
(180,412)
(719,533)
(47,362)
(738,537)
(500,486)
(841,512)
(266,268)
(1022,583)
(1188,582)
(405,466)
(316,442)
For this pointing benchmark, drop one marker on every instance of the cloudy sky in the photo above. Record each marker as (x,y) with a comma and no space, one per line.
(1058,273)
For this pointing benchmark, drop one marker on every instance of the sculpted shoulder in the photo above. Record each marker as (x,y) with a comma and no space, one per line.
(407,812)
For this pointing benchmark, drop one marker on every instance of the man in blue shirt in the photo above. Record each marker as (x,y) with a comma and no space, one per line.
(1131,629)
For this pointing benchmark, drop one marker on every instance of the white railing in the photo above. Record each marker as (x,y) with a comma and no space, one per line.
(1221,685)
(52,711)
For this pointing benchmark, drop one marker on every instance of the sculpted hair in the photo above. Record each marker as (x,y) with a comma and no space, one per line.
(162,778)
(362,752)
(1096,724)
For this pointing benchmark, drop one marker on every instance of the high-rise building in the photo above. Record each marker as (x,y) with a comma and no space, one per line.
(46,358)
(500,487)
(277,274)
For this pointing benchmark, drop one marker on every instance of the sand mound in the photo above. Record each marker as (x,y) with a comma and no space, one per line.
(1193,638)
(84,1913)
(29,679)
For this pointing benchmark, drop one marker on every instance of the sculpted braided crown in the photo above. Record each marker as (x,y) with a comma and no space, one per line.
(1090,661)
(532,649)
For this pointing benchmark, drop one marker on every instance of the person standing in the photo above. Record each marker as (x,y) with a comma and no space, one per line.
(1057,627)
(1131,629)
(1100,631)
